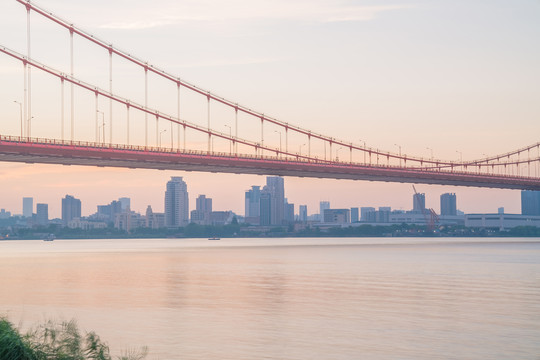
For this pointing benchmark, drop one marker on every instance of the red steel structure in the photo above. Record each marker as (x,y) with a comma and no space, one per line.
(30,150)
(499,171)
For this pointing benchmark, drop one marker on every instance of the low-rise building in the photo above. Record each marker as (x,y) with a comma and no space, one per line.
(154,220)
(78,223)
(129,220)
(501,221)
(221,217)
(336,216)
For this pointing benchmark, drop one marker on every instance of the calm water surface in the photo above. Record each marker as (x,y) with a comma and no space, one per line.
(285,298)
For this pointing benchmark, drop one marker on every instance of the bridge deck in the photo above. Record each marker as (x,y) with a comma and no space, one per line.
(90,154)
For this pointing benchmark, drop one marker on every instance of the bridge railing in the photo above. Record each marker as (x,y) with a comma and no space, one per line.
(30,142)
(256,114)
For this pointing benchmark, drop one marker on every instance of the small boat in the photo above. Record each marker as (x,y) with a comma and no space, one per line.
(49,237)
(214,238)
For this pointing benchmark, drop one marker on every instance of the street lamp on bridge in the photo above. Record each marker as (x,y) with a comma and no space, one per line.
(102,125)
(161,133)
(230,138)
(399,146)
(337,153)
(300,149)
(364,149)
(431,152)
(20,105)
(460,159)
(279,132)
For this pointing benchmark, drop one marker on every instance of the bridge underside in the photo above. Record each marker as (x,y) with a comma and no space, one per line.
(137,157)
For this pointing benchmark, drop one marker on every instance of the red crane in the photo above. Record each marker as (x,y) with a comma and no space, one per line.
(430,216)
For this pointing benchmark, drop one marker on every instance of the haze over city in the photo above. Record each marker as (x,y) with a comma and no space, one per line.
(278,179)
(435,78)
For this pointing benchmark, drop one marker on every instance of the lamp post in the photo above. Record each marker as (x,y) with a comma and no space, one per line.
(300,149)
(337,153)
(431,152)
(20,106)
(30,126)
(230,139)
(279,132)
(487,162)
(364,149)
(399,146)
(102,125)
(460,159)
(161,133)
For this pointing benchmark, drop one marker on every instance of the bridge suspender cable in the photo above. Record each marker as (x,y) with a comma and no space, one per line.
(433,164)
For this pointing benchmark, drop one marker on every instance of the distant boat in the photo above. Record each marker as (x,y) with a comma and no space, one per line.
(49,237)
(214,238)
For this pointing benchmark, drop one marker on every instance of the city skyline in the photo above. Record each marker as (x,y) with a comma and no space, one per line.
(177,179)
(361,85)
(177,195)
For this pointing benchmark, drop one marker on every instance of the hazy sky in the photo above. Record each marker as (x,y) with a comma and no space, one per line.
(452,76)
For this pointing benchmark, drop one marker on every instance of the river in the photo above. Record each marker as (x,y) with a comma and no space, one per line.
(345,298)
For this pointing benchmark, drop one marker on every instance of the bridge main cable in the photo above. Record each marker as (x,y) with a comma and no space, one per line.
(144,64)
(261,116)
(146,110)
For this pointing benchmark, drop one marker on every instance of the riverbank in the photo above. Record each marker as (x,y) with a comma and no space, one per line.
(51,341)
(244,231)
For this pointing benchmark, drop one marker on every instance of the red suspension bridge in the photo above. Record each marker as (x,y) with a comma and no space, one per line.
(317,155)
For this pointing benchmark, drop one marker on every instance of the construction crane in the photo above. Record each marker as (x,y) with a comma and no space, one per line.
(430,216)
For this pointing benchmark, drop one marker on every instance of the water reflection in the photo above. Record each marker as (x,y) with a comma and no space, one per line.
(286,299)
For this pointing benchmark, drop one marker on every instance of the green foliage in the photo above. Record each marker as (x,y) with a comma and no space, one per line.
(132,354)
(244,230)
(524,231)
(57,341)
(12,345)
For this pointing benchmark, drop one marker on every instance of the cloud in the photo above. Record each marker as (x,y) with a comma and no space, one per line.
(137,25)
(10,69)
(227,62)
(240,10)
(362,13)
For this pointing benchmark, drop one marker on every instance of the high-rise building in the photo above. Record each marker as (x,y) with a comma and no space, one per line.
(125,203)
(252,202)
(5,214)
(276,187)
(203,209)
(203,204)
(42,214)
(530,202)
(265,217)
(109,212)
(354,214)
(176,203)
(71,209)
(28,206)
(289,212)
(448,204)
(419,202)
(302,213)
(367,214)
(323,205)
(383,215)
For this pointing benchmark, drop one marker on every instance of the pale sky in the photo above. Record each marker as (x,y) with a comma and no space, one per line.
(452,76)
